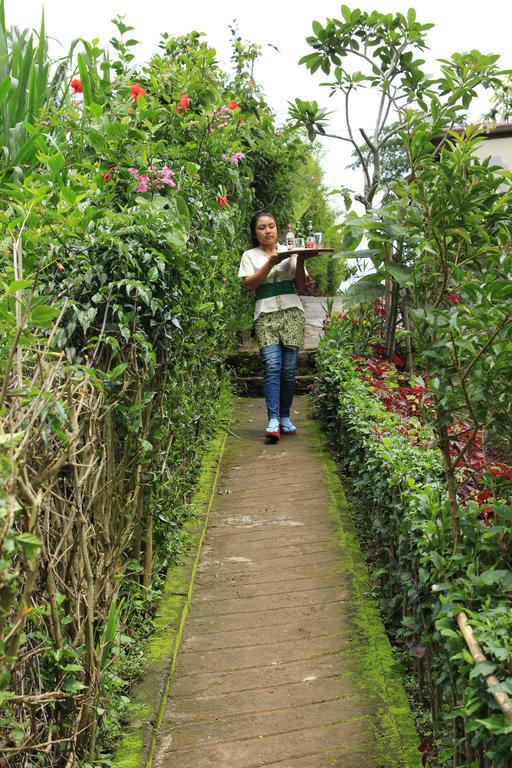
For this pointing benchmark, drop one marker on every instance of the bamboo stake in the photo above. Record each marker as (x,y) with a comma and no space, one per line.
(18,275)
(501,699)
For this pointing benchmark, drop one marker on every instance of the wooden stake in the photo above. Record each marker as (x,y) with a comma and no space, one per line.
(501,699)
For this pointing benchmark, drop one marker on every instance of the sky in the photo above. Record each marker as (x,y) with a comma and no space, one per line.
(284,24)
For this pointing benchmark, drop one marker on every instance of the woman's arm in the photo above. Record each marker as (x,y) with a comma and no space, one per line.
(254,281)
(300,274)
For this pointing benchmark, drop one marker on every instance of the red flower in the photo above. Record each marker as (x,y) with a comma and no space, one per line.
(137,91)
(486,517)
(222,201)
(501,470)
(183,103)
(453,297)
(107,175)
(427,748)
(233,105)
(76,85)
(378,307)
(483,496)
(61,267)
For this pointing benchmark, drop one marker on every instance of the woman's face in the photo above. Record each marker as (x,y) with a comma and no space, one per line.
(266,230)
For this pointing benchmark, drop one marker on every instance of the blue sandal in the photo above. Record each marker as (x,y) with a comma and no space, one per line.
(288,429)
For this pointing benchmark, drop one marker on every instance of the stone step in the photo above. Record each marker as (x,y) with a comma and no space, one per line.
(252,386)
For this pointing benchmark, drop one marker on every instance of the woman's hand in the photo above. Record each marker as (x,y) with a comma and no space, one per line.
(276,257)
(253,281)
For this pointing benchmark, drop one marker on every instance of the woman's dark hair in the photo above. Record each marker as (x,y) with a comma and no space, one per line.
(254,221)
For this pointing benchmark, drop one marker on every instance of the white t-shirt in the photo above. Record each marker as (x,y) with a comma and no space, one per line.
(254,259)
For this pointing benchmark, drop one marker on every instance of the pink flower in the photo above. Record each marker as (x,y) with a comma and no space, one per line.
(143,184)
(235,158)
(167,175)
(154,179)
(222,201)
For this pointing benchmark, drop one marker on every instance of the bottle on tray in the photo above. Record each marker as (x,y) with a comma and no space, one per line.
(310,238)
(290,238)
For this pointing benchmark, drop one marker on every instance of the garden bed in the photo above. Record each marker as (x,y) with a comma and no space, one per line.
(388,448)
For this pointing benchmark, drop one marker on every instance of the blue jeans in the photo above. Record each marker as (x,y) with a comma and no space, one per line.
(279,366)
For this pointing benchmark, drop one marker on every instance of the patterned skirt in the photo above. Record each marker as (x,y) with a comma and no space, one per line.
(286,327)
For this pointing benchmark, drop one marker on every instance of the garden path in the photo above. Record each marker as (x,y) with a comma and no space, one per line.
(284,661)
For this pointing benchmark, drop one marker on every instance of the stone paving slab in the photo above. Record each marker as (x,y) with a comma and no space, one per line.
(283,662)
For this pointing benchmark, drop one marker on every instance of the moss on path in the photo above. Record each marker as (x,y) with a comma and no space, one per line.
(284,660)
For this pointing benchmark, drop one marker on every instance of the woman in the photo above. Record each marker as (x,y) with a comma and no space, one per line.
(274,276)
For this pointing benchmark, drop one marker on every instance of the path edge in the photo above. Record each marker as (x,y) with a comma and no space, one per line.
(395,730)
(138,742)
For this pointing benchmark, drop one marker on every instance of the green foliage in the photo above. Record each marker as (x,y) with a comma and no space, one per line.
(121,236)
(501,110)
(400,483)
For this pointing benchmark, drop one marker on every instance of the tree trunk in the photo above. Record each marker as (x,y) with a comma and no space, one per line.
(449,470)
(408,343)
(148,554)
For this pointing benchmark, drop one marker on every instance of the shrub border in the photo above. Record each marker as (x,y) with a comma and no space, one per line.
(151,693)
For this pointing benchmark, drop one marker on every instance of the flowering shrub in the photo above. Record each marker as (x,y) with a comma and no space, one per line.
(129,302)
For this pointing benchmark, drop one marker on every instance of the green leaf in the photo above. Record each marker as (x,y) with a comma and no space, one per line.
(402,275)
(362,291)
(484,668)
(5,696)
(317,29)
(181,205)
(85,78)
(42,316)
(68,195)
(496,724)
(97,140)
(117,371)
(5,86)
(345,12)
(30,543)
(11,439)
(18,285)
(56,162)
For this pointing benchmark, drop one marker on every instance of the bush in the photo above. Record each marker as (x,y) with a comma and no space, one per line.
(397,473)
